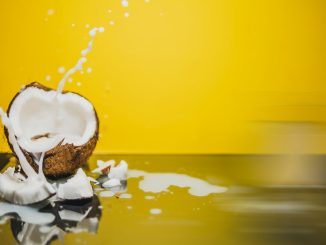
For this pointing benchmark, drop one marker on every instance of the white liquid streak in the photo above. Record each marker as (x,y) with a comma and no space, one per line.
(29,171)
(81,61)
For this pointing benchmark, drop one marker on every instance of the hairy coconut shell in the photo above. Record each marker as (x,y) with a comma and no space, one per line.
(64,159)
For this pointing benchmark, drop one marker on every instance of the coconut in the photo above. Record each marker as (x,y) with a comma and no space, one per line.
(64,126)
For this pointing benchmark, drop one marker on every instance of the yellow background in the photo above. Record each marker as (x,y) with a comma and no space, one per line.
(178,76)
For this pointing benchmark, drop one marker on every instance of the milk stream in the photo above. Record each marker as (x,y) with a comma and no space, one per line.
(29,171)
(78,67)
(81,61)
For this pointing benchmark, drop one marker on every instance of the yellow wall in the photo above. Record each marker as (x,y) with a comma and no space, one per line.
(177,76)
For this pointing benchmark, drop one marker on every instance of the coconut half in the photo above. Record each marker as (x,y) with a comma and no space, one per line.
(62,126)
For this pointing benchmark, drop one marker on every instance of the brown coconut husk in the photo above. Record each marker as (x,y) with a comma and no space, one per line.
(62,160)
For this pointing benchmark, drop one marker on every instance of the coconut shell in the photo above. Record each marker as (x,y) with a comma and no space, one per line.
(64,159)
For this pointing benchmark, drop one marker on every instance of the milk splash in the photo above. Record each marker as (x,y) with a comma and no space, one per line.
(81,61)
(14,187)
(29,171)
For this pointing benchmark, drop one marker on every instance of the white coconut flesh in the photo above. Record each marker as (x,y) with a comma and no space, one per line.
(42,119)
(16,189)
(76,187)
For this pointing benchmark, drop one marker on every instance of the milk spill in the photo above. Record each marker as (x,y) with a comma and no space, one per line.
(160,182)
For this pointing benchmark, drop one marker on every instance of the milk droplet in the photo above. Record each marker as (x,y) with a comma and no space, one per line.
(73,25)
(70,80)
(155,211)
(89,70)
(147,1)
(125,3)
(126,14)
(109,11)
(107,194)
(61,69)
(149,197)
(129,207)
(125,196)
(92,32)
(87,26)
(50,11)
(78,84)
(111,23)
(48,78)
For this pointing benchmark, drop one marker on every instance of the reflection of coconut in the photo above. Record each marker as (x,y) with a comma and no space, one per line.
(64,126)
(70,217)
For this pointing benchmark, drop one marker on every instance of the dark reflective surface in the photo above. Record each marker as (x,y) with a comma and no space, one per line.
(271,200)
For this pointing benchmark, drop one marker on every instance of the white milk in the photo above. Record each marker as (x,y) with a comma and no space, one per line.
(160,182)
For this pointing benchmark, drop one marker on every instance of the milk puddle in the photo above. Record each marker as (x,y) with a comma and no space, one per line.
(161,182)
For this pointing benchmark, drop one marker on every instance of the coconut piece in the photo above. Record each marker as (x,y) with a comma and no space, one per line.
(103,167)
(64,126)
(76,188)
(119,172)
(24,191)
(92,180)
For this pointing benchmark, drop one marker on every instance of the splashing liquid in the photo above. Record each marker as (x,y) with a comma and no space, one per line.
(81,61)
(59,118)
(29,171)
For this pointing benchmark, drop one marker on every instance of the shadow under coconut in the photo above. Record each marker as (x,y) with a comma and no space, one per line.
(45,223)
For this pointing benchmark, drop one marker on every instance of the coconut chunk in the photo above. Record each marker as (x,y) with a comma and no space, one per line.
(76,187)
(103,167)
(15,189)
(119,172)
